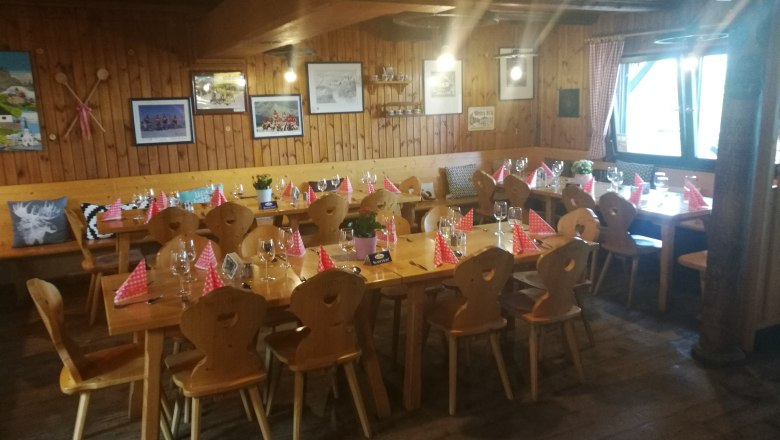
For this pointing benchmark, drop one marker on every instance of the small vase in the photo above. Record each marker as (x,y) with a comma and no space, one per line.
(264,195)
(582,179)
(364,246)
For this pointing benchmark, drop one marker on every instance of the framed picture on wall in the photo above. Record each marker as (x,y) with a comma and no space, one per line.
(443,88)
(20,129)
(515,74)
(162,121)
(219,92)
(276,116)
(335,87)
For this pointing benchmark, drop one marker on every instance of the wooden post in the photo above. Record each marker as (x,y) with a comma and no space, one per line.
(729,236)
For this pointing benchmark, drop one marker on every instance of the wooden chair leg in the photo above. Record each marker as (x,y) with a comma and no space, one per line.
(585,322)
(195,419)
(333,385)
(594,256)
(187,409)
(274,382)
(575,351)
(90,293)
(632,280)
(452,342)
(603,273)
(177,415)
(357,397)
(501,365)
(259,412)
(81,415)
(376,299)
(396,328)
(533,351)
(245,403)
(95,299)
(297,404)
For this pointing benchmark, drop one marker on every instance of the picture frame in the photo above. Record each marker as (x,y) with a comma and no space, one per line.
(521,88)
(443,89)
(219,92)
(569,103)
(158,121)
(20,128)
(335,87)
(481,118)
(276,116)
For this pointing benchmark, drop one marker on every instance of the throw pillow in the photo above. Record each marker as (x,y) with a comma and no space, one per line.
(459,182)
(91,212)
(38,222)
(645,171)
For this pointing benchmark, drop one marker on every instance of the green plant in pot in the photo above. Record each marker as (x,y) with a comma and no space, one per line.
(262,184)
(364,228)
(583,171)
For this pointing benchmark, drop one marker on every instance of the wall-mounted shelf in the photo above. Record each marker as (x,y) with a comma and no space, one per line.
(390,83)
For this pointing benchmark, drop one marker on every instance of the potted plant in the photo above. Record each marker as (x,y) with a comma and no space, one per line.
(262,184)
(364,228)
(583,171)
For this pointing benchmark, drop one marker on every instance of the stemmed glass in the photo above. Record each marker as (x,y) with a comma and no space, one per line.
(515,216)
(347,240)
(322,184)
(520,164)
(557,169)
(613,177)
(661,182)
(180,267)
(335,181)
(455,216)
(187,248)
(238,191)
(285,244)
(266,251)
(499,212)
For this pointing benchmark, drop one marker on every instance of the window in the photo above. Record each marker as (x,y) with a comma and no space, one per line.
(668,109)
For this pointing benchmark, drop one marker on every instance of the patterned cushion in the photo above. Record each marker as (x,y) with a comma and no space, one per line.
(91,212)
(197,195)
(38,222)
(459,182)
(645,171)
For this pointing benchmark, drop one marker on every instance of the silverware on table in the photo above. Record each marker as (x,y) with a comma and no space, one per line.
(418,265)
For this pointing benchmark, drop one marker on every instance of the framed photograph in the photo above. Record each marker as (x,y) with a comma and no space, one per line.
(219,92)
(335,87)
(515,75)
(20,129)
(443,88)
(276,116)
(162,121)
(482,118)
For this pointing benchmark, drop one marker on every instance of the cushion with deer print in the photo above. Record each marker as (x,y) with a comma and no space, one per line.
(39,222)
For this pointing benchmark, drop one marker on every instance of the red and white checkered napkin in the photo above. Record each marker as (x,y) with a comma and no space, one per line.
(213,281)
(287,192)
(312,196)
(134,288)
(521,242)
(636,196)
(152,210)
(638,180)
(162,201)
(531,179)
(297,249)
(369,187)
(324,262)
(500,173)
(207,258)
(217,197)
(114,211)
(442,253)
(390,186)
(547,171)
(695,199)
(537,225)
(588,187)
(467,222)
(346,185)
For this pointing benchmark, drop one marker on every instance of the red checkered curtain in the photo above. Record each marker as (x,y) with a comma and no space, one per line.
(604,63)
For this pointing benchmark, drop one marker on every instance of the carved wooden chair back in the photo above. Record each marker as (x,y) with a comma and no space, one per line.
(230,222)
(248,247)
(171,222)
(618,214)
(379,200)
(430,221)
(163,260)
(517,189)
(574,197)
(79,229)
(486,188)
(582,223)
(327,213)
(480,278)
(560,269)
(411,185)
(402,226)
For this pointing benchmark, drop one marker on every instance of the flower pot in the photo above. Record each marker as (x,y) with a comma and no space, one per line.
(364,246)
(582,179)
(264,195)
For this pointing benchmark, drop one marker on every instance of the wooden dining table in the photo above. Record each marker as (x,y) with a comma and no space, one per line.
(411,266)
(132,226)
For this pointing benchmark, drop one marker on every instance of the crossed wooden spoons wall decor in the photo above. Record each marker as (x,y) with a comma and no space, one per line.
(83,111)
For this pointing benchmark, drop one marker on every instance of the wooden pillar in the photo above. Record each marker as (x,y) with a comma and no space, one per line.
(735,208)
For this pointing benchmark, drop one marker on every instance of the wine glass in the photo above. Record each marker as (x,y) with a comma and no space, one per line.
(187,247)
(499,212)
(285,243)
(445,227)
(180,267)
(557,169)
(520,164)
(322,184)
(514,216)
(347,240)
(335,181)
(149,194)
(455,216)
(612,176)
(238,191)
(372,178)
(266,252)
(661,182)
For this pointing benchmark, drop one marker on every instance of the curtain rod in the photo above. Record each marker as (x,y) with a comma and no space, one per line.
(630,34)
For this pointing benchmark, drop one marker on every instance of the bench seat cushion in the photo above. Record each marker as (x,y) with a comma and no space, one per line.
(37,222)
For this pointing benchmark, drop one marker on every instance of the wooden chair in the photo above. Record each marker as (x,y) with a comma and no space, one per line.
(411,185)
(430,221)
(379,200)
(326,305)
(402,226)
(517,189)
(327,213)
(82,372)
(575,198)
(95,265)
(560,270)
(223,326)
(485,185)
(164,254)
(618,213)
(480,278)
(248,247)
(171,222)
(696,261)
(230,222)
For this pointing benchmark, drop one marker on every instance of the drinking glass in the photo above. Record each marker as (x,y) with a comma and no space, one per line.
(499,212)
(285,243)
(266,251)
(238,191)
(347,240)
(661,182)
(322,184)
(455,216)
(187,248)
(612,176)
(557,169)
(515,216)
(520,164)
(173,199)
(335,181)
(445,227)
(149,194)
(372,178)
(180,267)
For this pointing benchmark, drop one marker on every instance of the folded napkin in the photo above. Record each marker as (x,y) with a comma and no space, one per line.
(288,189)
(207,258)
(531,179)
(467,222)
(638,180)
(134,289)
(588,187)
(114,211)
(312,196)
(391,187)
(521,242)
(213,281)
(537,225)
(152,210)
(324,262)
(500,173)
(297,249)
(346,185)
(369,187)
(217,197)
(547,171)
(442,253)
(636,196)
(695,199)
(162,201)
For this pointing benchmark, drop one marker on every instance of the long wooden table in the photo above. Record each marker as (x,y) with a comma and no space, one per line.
(154,319)
(129,227)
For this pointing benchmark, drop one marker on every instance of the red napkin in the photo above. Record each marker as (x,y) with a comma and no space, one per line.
(547,171)
(390,187)
(636,196)
(467,222)
(153,210)
(521,242)
(312,196)
(207,258)
(500,173)
(298,249)
(537,225)
(346,185)
(288,189)
(134,287)
(695,199)
(442,253)
(369,187)
(531,179)
(162,200)
(324,263)
(217,198)
(114,211)
(638,180)
(213,281)
(588,187)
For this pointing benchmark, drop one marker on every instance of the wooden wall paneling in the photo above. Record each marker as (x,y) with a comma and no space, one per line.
(169,69)
(127,152)
(219,142)
(84,163)
(108,117)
